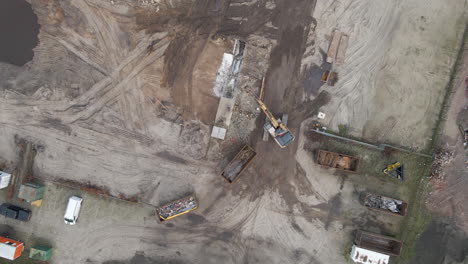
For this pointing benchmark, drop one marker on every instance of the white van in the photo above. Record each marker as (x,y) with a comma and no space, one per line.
(73,210)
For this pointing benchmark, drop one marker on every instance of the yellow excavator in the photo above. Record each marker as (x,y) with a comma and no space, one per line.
(275,127)
(395,170)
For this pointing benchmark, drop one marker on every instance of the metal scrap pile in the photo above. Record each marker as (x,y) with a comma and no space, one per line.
(233,170)
(442,159)
(178,207)
(377,201)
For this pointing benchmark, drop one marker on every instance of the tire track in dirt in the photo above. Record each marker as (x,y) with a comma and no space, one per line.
(364,55)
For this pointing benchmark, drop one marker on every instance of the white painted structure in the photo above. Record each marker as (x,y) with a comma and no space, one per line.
(4,179)
(218,132)
(365,256)
(224,75)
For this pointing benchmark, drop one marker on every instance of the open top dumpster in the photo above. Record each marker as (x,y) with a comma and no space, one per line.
(40,253)
(378,243)
(337,161)
(177,208)
(240,162)
(31,192)
(385,204)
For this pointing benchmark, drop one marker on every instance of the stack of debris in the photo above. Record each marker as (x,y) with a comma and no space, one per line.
(382,202)
(441,159)
(344,162)
(178,207)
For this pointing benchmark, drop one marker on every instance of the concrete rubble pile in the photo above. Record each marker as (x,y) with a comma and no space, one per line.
(377,201)
(442,159)
(178,207)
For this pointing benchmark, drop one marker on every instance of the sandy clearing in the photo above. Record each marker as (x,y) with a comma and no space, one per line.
(397,65)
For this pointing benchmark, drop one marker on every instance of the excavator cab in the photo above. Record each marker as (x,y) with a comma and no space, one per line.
(282,137)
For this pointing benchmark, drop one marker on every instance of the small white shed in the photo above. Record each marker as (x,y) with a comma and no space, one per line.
(365,256)
(4,179)
(218,132)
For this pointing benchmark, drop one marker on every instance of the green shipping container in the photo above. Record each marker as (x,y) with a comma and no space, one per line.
(31,192)
(40,253)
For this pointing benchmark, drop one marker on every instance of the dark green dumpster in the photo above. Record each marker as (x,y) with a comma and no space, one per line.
(40,253)
(31,192)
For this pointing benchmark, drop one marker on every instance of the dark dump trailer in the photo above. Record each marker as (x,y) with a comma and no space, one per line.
(240,162)
(385,204)
(337,161)
(378,243)
(177,208)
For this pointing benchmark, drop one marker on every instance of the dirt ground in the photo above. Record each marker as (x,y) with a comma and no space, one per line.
(119,96)
(397,65)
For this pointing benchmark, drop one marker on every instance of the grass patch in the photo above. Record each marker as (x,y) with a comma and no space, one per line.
(415,221)
(418,217)
(345,252)
(343,130)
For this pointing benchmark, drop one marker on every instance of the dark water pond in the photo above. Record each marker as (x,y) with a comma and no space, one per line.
(18,31)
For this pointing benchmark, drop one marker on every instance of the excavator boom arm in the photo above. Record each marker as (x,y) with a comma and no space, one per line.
(267,112)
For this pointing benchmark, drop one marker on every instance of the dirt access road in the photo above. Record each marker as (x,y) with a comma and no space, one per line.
(448,195)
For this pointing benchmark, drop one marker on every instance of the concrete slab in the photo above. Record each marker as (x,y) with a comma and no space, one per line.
(218,132)
(223,75)
(224,114)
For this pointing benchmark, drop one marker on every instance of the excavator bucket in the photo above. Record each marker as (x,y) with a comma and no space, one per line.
(395,170)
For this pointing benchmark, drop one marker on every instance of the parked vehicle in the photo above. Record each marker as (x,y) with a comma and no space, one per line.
(73,210)
(15,212)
